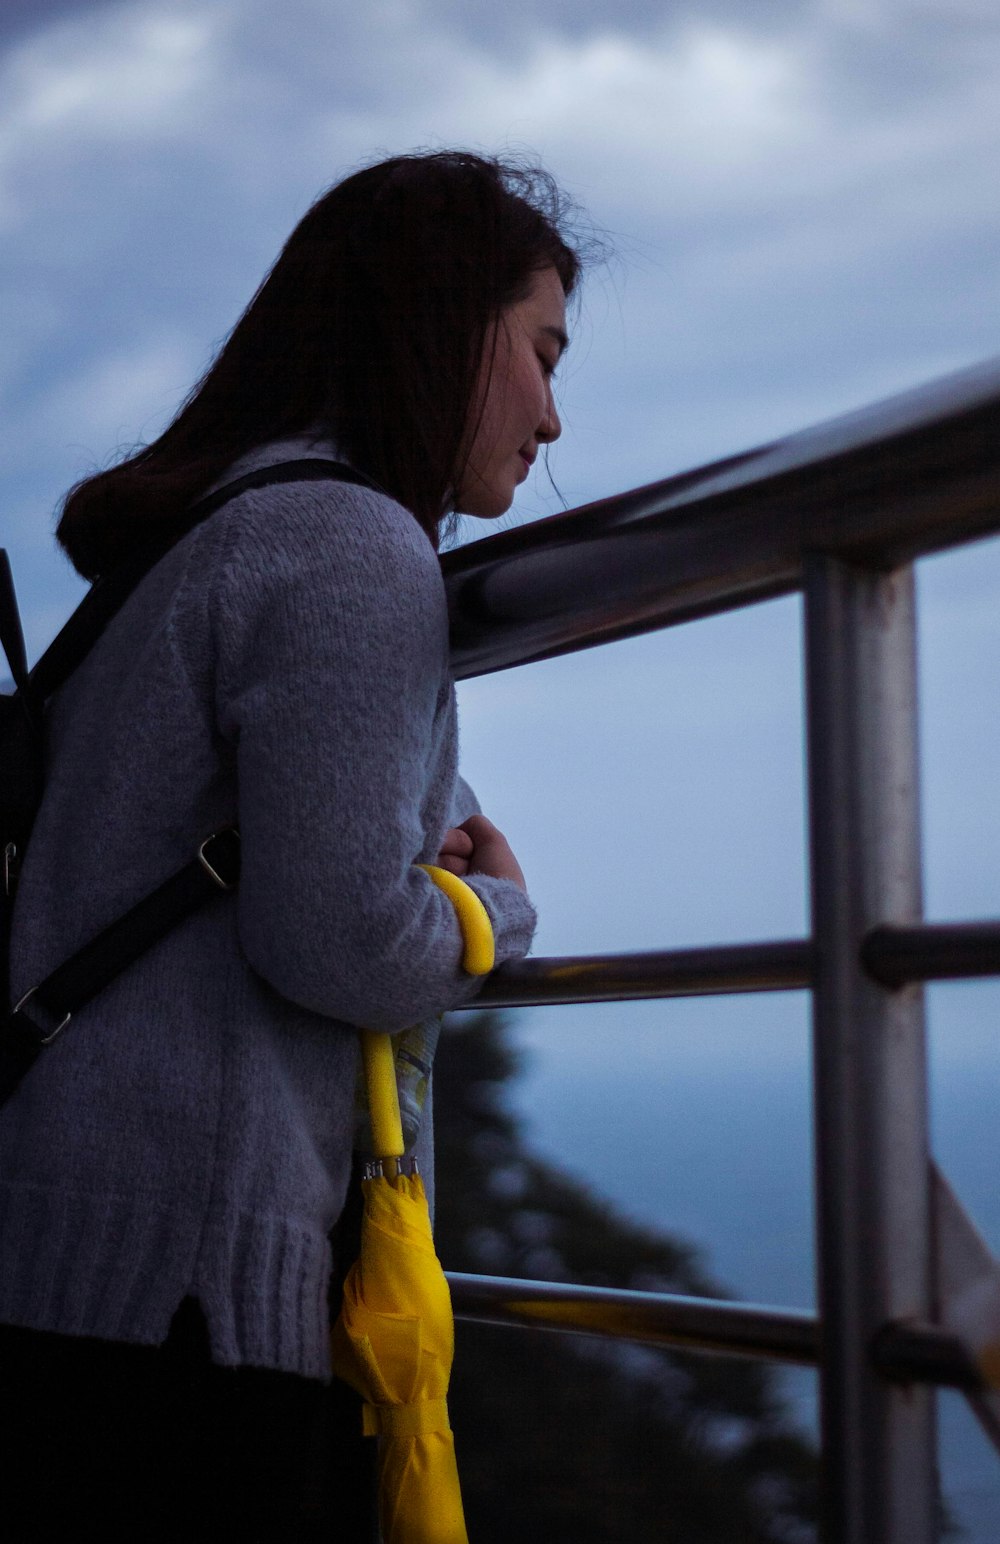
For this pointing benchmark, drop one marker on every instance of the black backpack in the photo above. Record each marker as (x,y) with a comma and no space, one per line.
(44,1011)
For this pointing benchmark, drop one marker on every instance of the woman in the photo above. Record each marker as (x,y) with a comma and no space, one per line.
(173,1166)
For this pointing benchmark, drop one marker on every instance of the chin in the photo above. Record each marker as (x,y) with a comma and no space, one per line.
(486,505)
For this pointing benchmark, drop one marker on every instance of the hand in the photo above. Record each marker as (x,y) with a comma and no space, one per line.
(456,851)
(491,852)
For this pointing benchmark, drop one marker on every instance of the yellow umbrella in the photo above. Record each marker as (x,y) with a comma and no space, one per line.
(394,1338)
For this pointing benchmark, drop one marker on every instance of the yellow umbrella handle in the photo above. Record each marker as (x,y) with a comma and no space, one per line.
(383,1096)
(473,919)
(376,1048)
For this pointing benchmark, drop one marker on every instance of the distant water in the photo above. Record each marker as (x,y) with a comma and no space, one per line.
(695,1116)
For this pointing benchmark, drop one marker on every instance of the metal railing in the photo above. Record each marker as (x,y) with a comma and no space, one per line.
(838,513)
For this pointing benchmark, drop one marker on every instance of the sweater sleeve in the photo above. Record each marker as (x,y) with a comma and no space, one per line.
(464,802)
(331,634)
(511,913)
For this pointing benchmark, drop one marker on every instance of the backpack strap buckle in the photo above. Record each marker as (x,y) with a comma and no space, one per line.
(36,1030)
(219,856)
(9,868)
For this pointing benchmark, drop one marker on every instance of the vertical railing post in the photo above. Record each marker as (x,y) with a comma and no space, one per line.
(873,1206)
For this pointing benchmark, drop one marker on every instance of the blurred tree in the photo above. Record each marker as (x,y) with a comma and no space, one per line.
(566,1438)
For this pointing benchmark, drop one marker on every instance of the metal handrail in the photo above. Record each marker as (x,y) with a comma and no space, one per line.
(837,513)
(768,967)
(902,1351)
(933,951)
(654,1318)
(884,485)
(891,955)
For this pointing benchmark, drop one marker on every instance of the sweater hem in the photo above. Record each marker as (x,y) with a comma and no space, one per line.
(117,1269)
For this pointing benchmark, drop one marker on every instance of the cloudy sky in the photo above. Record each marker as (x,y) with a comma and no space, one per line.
(801,203)
(801,200)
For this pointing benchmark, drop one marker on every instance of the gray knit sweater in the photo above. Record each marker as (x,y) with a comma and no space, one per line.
(285,667)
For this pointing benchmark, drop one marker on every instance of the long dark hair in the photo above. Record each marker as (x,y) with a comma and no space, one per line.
(371,325)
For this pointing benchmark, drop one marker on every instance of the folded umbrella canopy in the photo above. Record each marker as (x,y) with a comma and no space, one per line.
(394,1338)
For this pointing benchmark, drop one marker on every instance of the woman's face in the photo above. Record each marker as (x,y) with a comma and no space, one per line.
(514,412)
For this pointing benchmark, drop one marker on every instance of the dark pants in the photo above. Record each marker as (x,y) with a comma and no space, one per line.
(159,1443)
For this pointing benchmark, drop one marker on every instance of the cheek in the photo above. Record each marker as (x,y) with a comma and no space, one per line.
(515,404)
(502,428)
(492,434)
(492,402)
(529,401)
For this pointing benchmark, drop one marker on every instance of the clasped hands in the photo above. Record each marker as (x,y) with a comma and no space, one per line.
(477,847)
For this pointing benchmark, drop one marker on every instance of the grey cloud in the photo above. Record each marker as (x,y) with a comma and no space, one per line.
(516,24)
(21,18)
(921,57)
(752,296)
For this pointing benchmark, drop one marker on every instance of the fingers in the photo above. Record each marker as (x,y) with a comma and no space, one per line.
(491,851)
(456,851)
(456,842)
(459,866)
(477,827)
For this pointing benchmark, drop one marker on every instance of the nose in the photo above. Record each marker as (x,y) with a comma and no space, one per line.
(550,428)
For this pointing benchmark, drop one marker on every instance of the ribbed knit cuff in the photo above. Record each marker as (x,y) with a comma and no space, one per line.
(511,912)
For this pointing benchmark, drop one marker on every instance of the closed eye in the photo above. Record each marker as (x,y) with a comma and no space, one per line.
(562,343)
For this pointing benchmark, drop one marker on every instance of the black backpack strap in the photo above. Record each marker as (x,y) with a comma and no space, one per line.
(109,593)
(11,636)
(25,701)
(44,1011)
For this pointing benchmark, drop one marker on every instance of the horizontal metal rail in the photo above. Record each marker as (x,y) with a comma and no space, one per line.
(654,1318)
(879,487)
(891,955)
(902,1352)
(767,967)
(932,952)
(924,1353)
